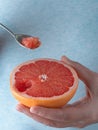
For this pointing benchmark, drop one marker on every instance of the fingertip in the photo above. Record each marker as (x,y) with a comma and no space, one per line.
(64,58)
(19,108)
(67,61)
(34,109)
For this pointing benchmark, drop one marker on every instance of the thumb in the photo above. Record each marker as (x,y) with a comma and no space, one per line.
(84,73)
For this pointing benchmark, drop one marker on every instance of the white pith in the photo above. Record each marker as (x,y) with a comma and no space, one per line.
(43,77)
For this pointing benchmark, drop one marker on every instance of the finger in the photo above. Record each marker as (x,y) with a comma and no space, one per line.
(85,74)
(82,101)
(40,119)
(49,113)
(84,123)
(68,114)
(23,109)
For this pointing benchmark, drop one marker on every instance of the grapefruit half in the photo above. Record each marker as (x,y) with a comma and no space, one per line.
(43,82)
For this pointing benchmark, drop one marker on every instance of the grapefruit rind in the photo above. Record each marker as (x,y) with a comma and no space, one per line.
(52,102)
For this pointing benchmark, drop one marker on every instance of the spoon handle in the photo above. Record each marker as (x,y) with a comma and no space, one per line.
(7,29)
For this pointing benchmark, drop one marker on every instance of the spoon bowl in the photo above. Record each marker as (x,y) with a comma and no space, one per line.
(19,38)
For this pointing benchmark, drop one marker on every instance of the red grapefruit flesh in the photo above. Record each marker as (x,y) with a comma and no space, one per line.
(44,82)
(31,42)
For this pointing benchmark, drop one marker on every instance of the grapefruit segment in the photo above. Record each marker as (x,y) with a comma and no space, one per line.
(44,82)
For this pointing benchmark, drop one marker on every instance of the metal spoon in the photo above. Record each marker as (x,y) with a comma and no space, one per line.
(18,37)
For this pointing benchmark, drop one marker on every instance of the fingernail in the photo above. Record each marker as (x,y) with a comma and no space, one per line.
(33,109)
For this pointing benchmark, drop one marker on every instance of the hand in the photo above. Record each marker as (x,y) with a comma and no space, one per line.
(79,114)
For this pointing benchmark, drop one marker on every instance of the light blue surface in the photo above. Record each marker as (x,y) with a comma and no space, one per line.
(67,27)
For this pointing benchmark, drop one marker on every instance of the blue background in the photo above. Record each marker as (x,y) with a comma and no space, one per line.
(65,27)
